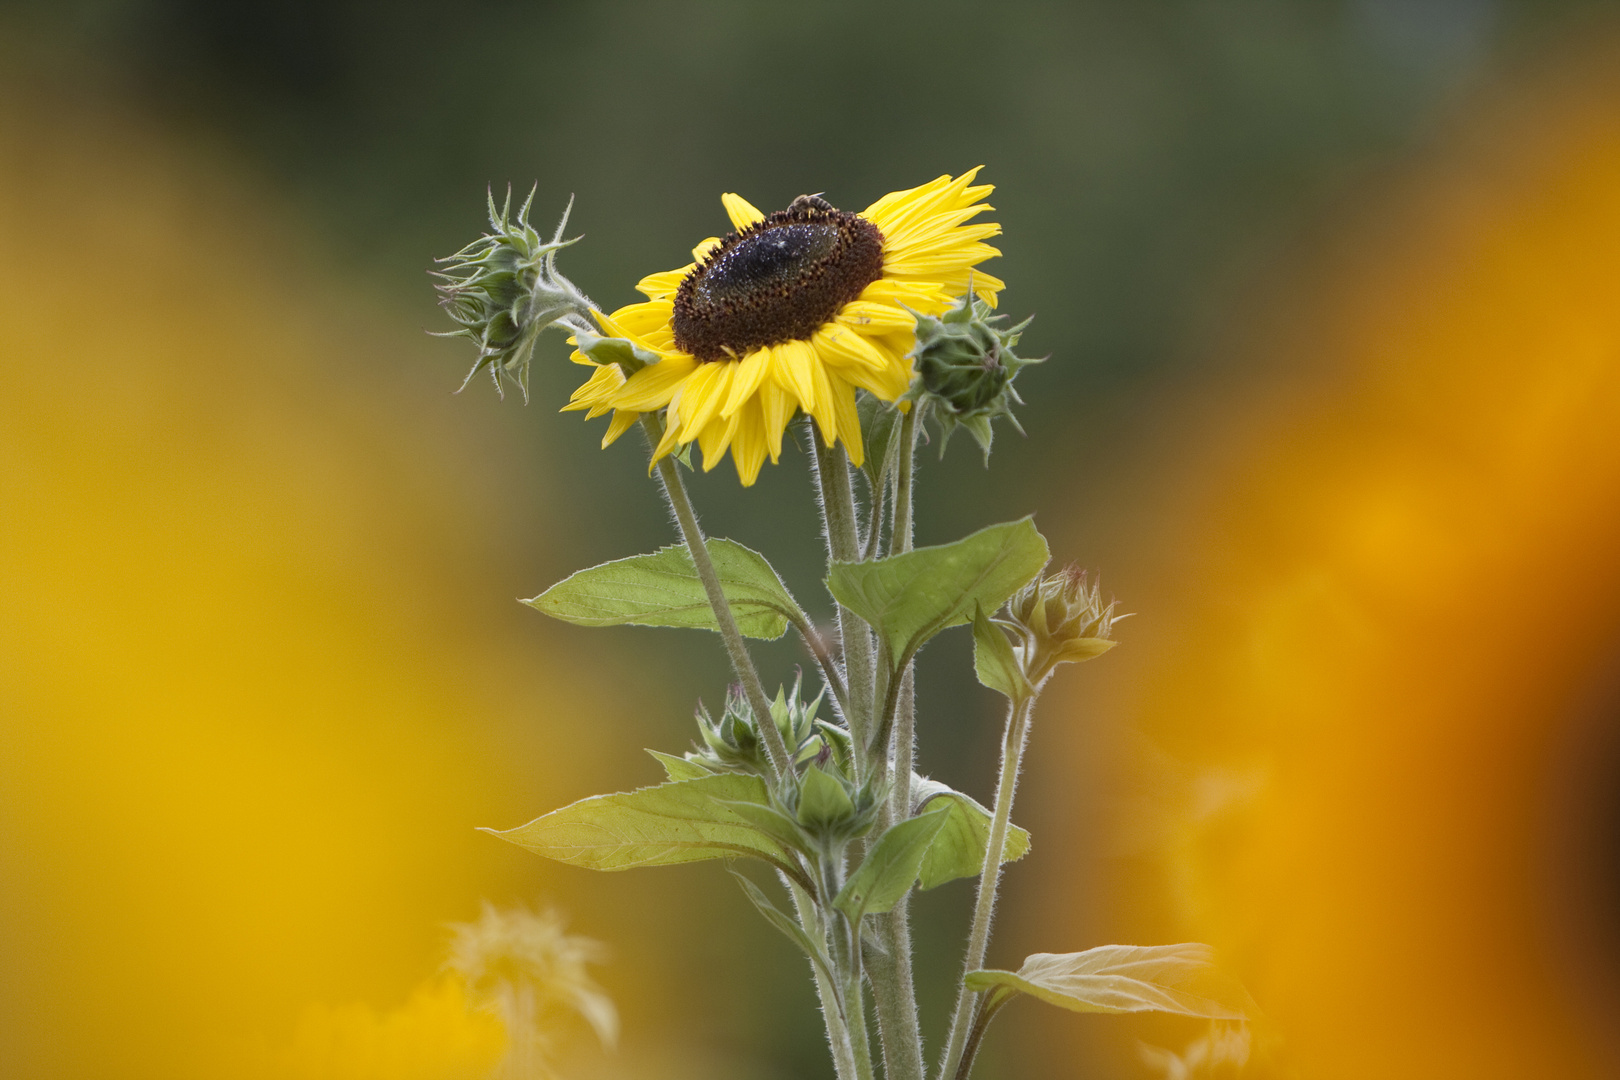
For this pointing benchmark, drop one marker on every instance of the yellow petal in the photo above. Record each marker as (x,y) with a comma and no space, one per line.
(825,409)
(843,347)
(670,440)
(623,420)
(748,446)
(872,318)
(634,320)
(794,360)
(741,212)
(751,370)
(662,286)
(701,252)
(702,395)
(714,439)
(654,385)
(776,411)
(596,392)
(849,421)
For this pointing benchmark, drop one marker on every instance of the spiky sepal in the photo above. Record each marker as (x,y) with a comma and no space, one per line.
(503,290)
(965,370)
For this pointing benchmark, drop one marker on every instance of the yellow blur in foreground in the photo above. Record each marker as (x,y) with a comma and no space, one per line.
(1394,686)
(436,1035)
(247,732)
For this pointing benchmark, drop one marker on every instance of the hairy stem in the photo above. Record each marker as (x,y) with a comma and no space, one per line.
(967,1003)
(832,1006)
(824,660)
(741,662)
(893,985)
(838,517)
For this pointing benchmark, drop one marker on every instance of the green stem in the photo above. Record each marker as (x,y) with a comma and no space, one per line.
(905,718)
(893,984)
(741,662)
(838,517)
(967,1003)
(832,1006)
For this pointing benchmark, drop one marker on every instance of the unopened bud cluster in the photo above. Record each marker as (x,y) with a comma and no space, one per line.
(817,804)
(965,369)
(1059,619)
(503,289)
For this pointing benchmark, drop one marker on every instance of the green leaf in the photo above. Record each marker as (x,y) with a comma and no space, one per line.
(630,357)
(880,424)
(911,597)
(1082,649)
(890,866)
(958,850)
(994,661)
(678,768)
(1124,979)
(662,589)
(822,799)
(682,822)
(773,823)
(779,919)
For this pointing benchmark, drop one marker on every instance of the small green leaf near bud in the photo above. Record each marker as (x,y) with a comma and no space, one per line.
(994,661)
(823,801)
(880,426)
(891,866)
(791,929)
(679,768)
(630,357)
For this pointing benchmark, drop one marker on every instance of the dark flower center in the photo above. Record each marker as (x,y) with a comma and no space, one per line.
(777,280)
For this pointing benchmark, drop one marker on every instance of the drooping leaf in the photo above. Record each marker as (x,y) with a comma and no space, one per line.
(994,661)
(1125,978)
(786,924)
(958,849)
(890,866)
(678,768)
(911,597)
(681,822)
(663,589)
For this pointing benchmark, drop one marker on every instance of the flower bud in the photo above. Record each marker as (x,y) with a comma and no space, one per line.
(1059,619)
(733,743)
(965,369)
(503,289)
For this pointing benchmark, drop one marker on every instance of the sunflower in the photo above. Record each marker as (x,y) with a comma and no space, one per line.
(794,310)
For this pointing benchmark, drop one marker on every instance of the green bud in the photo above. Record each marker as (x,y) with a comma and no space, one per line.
(503,289)
(1059,619)
(965,370)
(826,805)
(733,743)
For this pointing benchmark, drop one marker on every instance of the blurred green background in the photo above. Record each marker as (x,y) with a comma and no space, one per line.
(1159,166)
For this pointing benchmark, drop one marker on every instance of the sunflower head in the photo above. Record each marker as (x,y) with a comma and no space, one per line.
(794,311)
(777,280)
(965,369)
(503,289)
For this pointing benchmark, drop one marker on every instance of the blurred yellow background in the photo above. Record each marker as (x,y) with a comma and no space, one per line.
(261,675)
